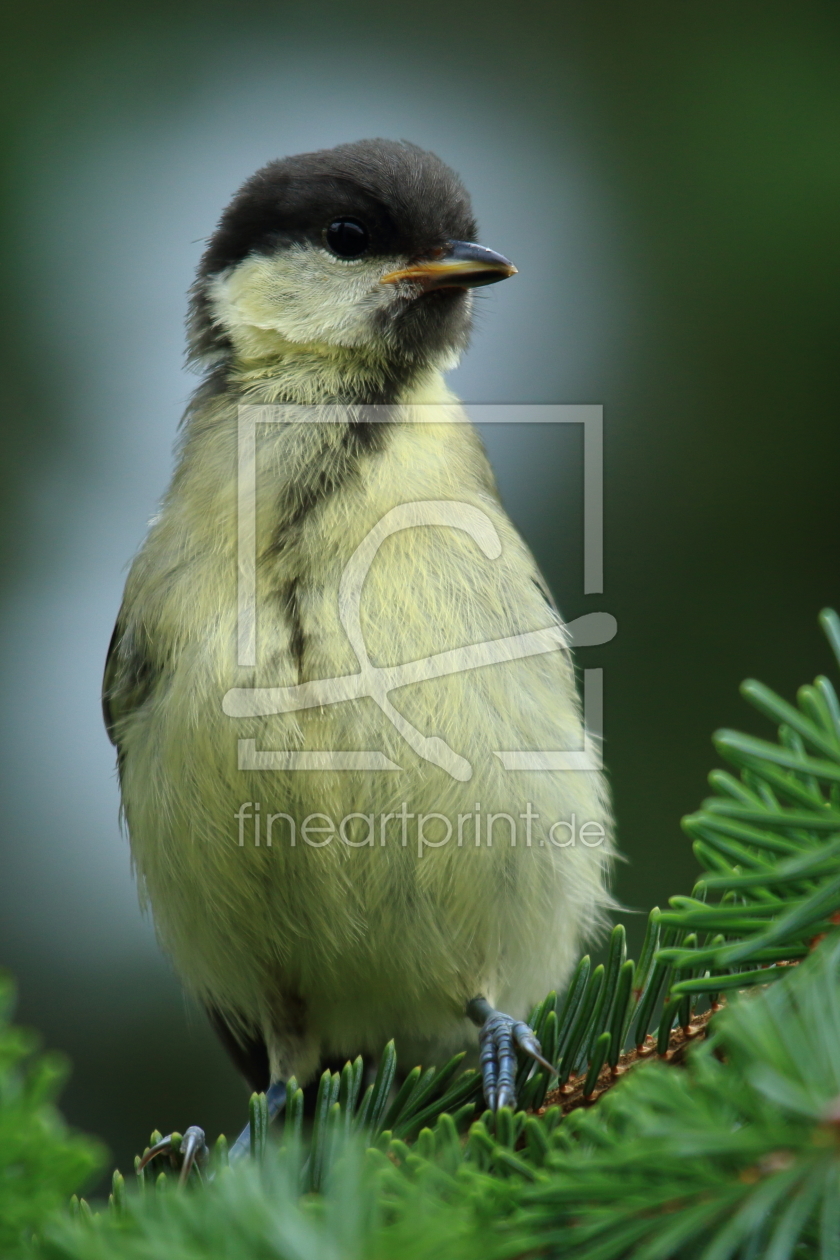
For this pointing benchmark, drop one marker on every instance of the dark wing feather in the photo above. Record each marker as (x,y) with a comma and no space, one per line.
(130,678)
(246,1049)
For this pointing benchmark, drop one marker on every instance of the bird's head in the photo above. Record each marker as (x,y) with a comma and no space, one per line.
(368,248)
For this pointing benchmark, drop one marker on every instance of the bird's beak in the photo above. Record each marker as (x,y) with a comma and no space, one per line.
(461,265)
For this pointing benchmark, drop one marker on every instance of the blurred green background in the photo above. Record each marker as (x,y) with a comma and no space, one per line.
(667,179)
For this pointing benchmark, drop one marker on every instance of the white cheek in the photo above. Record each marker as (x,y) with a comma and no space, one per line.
(303,295)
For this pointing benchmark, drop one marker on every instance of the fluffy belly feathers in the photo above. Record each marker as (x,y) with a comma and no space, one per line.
(388,897)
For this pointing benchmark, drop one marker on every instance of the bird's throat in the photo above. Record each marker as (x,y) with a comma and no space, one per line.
(317,375)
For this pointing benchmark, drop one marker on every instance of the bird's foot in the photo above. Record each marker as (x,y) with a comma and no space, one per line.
(275,1101)
(498,1038)
(187,1152)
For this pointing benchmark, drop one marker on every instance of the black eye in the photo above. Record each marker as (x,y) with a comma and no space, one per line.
(347,237)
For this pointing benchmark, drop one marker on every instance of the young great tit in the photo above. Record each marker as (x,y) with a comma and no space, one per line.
(328,875)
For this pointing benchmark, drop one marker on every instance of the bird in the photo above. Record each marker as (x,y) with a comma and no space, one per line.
(332,848)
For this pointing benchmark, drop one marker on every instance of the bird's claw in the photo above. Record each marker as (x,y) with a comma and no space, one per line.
(189,1150)
(498,1038)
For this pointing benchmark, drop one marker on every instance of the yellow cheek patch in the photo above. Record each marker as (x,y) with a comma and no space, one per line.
(301,294)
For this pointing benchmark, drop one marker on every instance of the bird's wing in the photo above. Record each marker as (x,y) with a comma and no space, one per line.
(129,679)
(246,1048)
